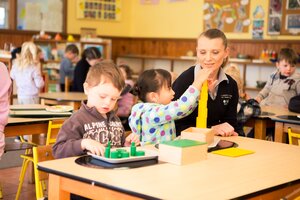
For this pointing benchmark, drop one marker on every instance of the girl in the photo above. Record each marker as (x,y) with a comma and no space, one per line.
(26,73)
(127,99)
(153,119)
(90,56)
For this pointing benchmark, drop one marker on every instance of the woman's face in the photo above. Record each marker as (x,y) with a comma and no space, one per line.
(211,53)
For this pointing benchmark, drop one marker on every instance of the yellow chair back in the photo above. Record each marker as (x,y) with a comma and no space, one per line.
(53,128)
(294,138)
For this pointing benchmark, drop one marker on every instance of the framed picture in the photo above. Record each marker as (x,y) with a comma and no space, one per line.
(293,5)
(293,23)
(274,25)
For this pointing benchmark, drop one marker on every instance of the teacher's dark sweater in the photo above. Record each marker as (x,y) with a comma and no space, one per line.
(221,109)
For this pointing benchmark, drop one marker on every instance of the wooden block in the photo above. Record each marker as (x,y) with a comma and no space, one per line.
(198,134)
(182,152)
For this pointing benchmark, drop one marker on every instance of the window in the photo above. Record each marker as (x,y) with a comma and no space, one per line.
(4,13)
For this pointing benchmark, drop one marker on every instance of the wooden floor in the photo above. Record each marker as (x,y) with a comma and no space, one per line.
(9,179)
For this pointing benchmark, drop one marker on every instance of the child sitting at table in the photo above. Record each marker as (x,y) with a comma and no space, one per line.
(26,73)
(153,118)
(95,123)
(127,99)
(246,107)
(284,83)
(66,65)
(5,90)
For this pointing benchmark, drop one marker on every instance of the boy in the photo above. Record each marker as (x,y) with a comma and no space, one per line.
(95,123)
(282,84)
(66,65)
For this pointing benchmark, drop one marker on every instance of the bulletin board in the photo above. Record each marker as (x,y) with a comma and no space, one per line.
(227,15)
(99,9)
(284,17)
(37,15)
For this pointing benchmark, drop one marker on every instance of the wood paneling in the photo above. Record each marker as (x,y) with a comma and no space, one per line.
(165,47)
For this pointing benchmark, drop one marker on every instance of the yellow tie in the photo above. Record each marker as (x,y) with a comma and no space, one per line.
(201,121)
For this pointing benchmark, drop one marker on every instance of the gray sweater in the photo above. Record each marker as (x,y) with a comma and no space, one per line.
(88,123)
(279,90)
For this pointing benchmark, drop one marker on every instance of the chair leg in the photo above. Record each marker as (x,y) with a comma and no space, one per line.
(22,176)
(1,194)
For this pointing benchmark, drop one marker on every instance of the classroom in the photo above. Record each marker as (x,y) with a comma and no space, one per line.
(149,99)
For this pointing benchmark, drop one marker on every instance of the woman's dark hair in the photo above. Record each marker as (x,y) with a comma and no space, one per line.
(15,52)
(151,80)
(214,34)
(128,70)
(91,53)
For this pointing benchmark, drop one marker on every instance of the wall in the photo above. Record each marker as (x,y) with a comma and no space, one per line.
(165,20)
(104,28)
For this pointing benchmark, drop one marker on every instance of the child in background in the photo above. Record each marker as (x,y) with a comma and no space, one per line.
(66,65)
(284,83)
(90,56)
(153,119)
(246,107)
(5,90)
(95,123)
(26,73)
(127,99)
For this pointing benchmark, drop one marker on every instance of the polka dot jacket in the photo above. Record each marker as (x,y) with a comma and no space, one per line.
(155,122)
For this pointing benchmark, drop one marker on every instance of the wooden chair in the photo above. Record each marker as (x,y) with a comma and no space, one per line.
(53,128)
(294,138)
(68,83)
(15,147)
(41,153)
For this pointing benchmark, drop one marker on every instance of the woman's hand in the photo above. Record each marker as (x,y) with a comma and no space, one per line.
(132,138)
(224,130)
(93,146)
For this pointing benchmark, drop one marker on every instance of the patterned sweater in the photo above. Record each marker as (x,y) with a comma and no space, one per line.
(279,90)
(155,122)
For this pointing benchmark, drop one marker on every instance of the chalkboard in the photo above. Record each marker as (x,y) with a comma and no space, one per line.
(227,15)
(37,15)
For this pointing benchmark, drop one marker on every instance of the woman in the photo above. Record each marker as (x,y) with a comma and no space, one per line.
(212,52)
(90,56)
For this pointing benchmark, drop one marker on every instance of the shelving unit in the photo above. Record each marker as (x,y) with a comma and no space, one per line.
(51,65)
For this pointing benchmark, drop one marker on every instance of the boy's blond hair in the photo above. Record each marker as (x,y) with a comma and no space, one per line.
(234,71)
(105,71)
(28,55)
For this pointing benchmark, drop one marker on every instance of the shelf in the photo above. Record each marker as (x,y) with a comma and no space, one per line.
(253,88)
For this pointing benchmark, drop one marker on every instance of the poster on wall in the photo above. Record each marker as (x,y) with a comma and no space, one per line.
(227,15)
(99,9)
(275,17)
(258,23)
(293,5)
(293,23)
(46,15)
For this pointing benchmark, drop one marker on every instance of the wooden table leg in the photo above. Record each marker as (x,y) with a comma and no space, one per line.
(279,132)
(55,191)
(260,129)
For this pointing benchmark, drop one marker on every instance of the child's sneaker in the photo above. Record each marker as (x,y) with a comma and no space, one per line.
(17,139)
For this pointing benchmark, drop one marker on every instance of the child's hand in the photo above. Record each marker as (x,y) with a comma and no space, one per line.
(93,146)
(132,138)
(201,76)
(224,130)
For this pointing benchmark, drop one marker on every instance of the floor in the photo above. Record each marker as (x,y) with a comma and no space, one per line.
(9,180)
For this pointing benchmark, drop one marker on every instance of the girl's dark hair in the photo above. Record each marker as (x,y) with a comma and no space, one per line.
(128,70)
(151,80)
(214,34)
(91,53)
